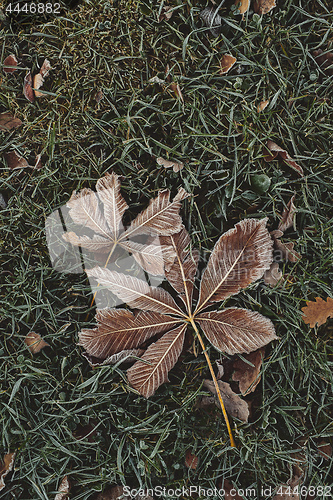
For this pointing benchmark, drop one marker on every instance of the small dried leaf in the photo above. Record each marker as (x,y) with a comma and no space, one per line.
(274,275)
(286,249)
(99,96)
(6,467)
(38,82)
(191,461)
(284,155)
(242,5)
(288,214)
(10,64)
(234,405)
(15,161)
(7,121)
(27,88)
(248,376)
(63,489)
(324,60)
(227,63)
(317,312)
(177,166)
(127,356)
(166,13)
(35,342)
(156,79)
(176,89)
(263,6)
(262,105)
(212,20)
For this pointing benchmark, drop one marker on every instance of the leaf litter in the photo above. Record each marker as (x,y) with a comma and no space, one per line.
(248,374)
(274,151)
(226,63)
(10,64)
(6,467)
(63,489)
(35,343)
(262,7)
(317,312)
(175,165)
(234,404)
(8,121)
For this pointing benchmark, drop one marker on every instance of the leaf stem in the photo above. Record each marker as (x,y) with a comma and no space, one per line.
(232,442)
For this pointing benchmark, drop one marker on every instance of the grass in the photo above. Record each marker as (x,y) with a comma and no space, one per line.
(47,399)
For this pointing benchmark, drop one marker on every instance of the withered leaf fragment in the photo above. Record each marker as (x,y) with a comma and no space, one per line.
(286,249)
(274,275)
(324,60)
(262,105)
(176,165)
(234,405)
(8,122)
(288,214)
(246,375)
(39,77)
(166,13)
(176,89)
(317,312)
(212,20)
(263,6)
(63,489)
(240,257)
(27,87)
(275,150)
(227,63)
(10,64)
(191,460)
(161,217)
(6,467)
(35,343)
(242,5)
(14,160)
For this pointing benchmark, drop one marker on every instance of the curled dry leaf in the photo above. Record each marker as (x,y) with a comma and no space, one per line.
(234,405)
(191,460)
(14,160)
(263,6)
(286,249)
(274,275)
(247,253)
(227,63)
(63,489)
(246,375)
(242,5)
(317,312)
(262,105)
(177,166)
(324,60)
(27,88)
(176,89)
(212,20)
(39,77)
(275,150)
(44,70)
(288,215)
(6,467)
(166,13)
(8,122)
(35,343)
(10,64)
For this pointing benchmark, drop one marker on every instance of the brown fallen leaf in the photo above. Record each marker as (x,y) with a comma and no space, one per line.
(176,165)
(325,450)
(246,375)
(63,489)
(99,96)
(35,343)
(288,215)
(234,405)
(242,5)
(227,63)
(166,13)
(7,121)
(263,6)
(324,60)
(275,150)
(10,64)
(317,312)
(262,105)
(230,491)
(274,275)
(14,160)
(176,89)
(191,460)
(286,250)
(6,467)
(27,87)
(39,77)
(46,66)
